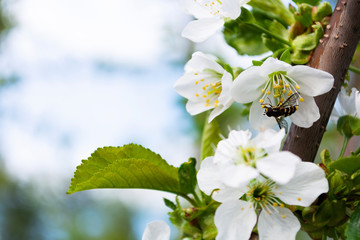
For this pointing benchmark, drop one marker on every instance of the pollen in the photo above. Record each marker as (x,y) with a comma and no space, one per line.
(263,106)
(195,73)
(284,90)
(207,100)
(283,216)
(197,94)
(204,96)
(261,100)
(202,79)
(242,209)
(280,193)
(262,90)
(287,85)
(216,103)
(197,82)
(301,99)
(297,87)
(282,205)
(268,92)
(290,92)
(275,204)
(299,199)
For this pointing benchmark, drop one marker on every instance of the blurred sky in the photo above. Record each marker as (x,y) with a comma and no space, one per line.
(91,74)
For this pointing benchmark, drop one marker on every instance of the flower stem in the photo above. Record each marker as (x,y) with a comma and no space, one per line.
(190,200)
(270,34)
(197,199)
(343,148)
(354,69)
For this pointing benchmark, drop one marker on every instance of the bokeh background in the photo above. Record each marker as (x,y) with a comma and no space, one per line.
(76,75)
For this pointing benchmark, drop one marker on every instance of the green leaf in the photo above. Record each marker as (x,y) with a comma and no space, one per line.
(170,204)
(257,63)
(130,166)
(246,16)
(304,14)
(347,165)
(210,138)
(300,57)
(277,29)
(310,2)
(274,9)
(323,10)
(187,176)
(286,56)
(345,125)
(325,157)
(244,38)
(353,229)
(308,41)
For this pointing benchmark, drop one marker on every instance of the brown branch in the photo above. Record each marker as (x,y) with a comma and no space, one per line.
(333,55)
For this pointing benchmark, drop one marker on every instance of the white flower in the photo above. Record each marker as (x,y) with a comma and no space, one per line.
(237,215)
(210,16)
(206,84)
(157,230)
(239,159)
(273,82)
(347,105)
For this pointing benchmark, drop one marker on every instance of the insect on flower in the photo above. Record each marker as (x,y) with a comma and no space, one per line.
(282,109)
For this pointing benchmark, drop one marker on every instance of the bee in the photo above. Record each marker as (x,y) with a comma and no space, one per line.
(282,110)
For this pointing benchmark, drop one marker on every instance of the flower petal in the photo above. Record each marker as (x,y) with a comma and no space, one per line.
(307,184)
(278,224)
(224,193)
(258,120)
(201,29)
(231,8)
(195,9)
(270,140)
(235,220)
(207,176)
(348,102)
(157,230)
(200,61)
(279,166)
(307,114)
(196,107)
(247,86)
(312,81)
(357,104)
(227,148)
(236,176)
(274,65)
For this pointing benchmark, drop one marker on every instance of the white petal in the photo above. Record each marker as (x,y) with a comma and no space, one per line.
(201,29)
(258,120)
(225,194)
(348,102)
(307,184)
(227,148)
(185,85)
(279,224)
(312,82)
(357,103)
(270,140)
(194,8)
(231,8)
(279,166)
(237,176)
(234,220)
(247,86)
(273,65)
(196,107)
(200,61)
(307,114)
(157,230)
(207,176)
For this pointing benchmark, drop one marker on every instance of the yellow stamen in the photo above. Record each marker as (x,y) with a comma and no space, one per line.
(263,106)
(202,79)
(268,92)
(262,90)
(204,96)
(195,73)
(284,91)
(299,199)
(242,208)
(297,87)
(261,100)
(287,85)
(197,94)
(290,92)
(283,216)
(197,82)
(282,205)
(275,204)
(301,99)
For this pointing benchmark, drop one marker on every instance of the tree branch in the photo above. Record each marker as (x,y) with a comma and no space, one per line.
(333,54)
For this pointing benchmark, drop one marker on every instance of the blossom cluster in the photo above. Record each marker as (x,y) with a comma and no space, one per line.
(256,184)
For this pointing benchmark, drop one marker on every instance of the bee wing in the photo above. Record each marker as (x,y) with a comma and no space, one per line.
(282,123)
(291,101)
